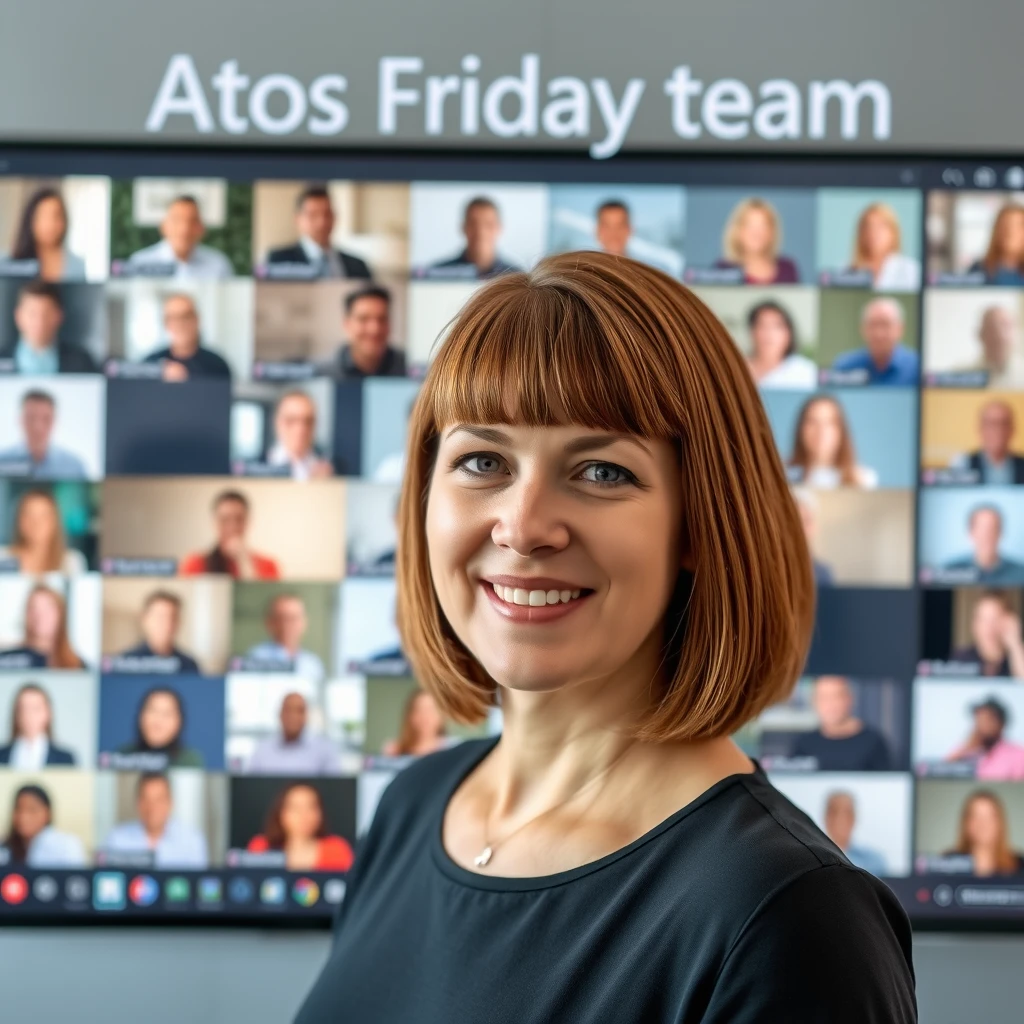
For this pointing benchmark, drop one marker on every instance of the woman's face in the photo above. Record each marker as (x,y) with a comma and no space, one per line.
(770,335)
(1011,236)
(160,721)
(300,814)
(33,714)
(30,816)
(42,616)
(877,237)
(37,521)
(424,716)
(983,823)
(755,234)
(822,432)
(48,223)
(546,513)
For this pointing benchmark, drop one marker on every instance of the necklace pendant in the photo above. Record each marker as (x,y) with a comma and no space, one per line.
(483,857)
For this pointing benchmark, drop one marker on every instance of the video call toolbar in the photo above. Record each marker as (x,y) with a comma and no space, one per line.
(204,389)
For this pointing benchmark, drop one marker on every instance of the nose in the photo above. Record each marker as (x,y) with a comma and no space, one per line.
(530,518)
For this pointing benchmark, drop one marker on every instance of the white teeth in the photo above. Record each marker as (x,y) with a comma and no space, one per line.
(534,598)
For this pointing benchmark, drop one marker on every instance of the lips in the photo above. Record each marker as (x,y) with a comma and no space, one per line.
(533,599)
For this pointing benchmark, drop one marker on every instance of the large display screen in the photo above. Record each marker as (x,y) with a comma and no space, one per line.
(207,362)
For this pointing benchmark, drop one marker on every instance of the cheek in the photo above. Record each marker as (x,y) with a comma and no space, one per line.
(456,530)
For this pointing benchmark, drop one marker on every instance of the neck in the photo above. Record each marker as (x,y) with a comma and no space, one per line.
(367,362)
(162,650)
(155,833)
(38,344)
(987,559)
(997,457)
(882,361)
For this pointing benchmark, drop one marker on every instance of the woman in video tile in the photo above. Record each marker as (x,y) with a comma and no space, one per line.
(823,451)
(985,837)
(1003,264)
(596,536)
(46,643)
(752,239)
(31,838)
(41,238)
(38,542)
(160,728)
(423,728)
(231,554)
(297,825)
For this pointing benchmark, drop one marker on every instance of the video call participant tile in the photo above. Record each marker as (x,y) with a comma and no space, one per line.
(371,515)
(48,528)
(48,819)
(971,239)
(369,640)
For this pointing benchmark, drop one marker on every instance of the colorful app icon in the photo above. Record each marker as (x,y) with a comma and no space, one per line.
(334,890)
(76,889)
(272,891)
(14,890)
(108,890)
(210,890)
(143,891)
(305,892)
(241,890)
(45,888)
(177,890)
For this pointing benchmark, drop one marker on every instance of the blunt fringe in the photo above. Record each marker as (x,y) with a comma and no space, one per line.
(609,343)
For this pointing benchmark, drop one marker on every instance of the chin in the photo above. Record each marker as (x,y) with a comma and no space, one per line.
(528,674)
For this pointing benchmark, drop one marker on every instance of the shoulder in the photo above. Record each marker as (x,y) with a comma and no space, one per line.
(849,360)
(57,755)
(867,477)
(215,257)
(74,562)
(192,565)
(5,754)
(258,844)
(287,254)
(354,266)
(148,251)
(266,568)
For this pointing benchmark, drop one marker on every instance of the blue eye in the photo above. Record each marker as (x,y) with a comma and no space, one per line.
(464,462)
(607,474)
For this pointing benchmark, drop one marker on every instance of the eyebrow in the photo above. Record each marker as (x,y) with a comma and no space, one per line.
(587,442)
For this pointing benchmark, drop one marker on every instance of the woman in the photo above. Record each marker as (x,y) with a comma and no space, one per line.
(31,747)
(997,644)
(42,232)
(596,532)
(984,836)
(160,728)
(751,242)
(46,643)
(1003,264)
(33,841)
(297,825)
(423,729)
(231,554)
(877,250)
(823,454)
(775,361)
(38,543)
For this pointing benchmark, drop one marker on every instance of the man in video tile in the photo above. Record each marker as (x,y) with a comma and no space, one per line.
(481,226)
(367,326)
(995,758)
(994,463)
(296,749)
(1001,356)
(985,527)
(884,356)
(842,742)
(160,621)
(231,553)
(38,316)
(315,220)
(179,254)
(614,228)
(45,461)
(294,433)
(184,357)
(286,623)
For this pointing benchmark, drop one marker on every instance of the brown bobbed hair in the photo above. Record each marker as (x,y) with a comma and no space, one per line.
(608,343)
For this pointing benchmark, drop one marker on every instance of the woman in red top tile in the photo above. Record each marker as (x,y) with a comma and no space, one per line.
(231,554)
(296,824)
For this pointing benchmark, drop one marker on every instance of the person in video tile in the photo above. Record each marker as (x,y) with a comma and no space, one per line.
(884,357)
(985,837)
(294,431)
(42,234)
(614,227)
(179,253)
(45,461)
(160,621)
(46,643)
(295,750)
(159,729)
(38,543)
(995,758)
(997,647)
(423,729)
(807,506)
(775,361)
(985,527)
(842,742)
(481,226)
(877,250)
(823,452)
(38,315)
(231,554)
(994,462)
(184,357)
(840,822)
(286,623)
(367,327)
(751,242)
(1001,356)
(315,220)
(173,844)
(297,825)
(31,747)
(1003,264)
(31,838)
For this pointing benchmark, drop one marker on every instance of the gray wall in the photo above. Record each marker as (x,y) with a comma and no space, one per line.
(208,976)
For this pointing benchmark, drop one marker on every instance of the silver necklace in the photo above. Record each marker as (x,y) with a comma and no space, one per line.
(490,845)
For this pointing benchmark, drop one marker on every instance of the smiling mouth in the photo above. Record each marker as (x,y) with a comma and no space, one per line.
(533,607)
(535,598)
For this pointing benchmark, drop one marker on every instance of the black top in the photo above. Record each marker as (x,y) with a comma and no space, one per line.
(342,366)
(1016,466)
(866,751)
(202,363)
(351,266)
(734,910)
(463,266)
(54,755)
(972,656)
(187,665)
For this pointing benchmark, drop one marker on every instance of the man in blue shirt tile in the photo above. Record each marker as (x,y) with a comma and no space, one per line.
(34,456)
(884,357)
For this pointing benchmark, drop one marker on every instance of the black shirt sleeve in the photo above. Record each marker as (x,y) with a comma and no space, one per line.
(832,947)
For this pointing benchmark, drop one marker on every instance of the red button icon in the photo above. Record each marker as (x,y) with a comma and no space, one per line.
(14,889)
